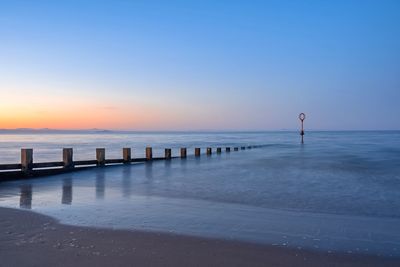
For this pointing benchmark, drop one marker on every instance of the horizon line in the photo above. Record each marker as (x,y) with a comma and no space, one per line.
(98,130)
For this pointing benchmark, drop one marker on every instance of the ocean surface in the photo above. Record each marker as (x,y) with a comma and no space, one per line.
(340,191)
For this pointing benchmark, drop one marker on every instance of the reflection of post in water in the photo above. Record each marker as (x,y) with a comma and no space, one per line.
(25,197)
(149,177)
(183,164)
(126,181)
(149,170)
(67,192)
(167,168)
(100,184)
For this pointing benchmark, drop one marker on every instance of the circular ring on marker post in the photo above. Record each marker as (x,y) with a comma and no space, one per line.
(302,116)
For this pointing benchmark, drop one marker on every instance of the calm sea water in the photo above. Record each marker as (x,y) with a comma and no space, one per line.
(338,192)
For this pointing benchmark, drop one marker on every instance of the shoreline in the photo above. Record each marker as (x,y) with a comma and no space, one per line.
(31,239)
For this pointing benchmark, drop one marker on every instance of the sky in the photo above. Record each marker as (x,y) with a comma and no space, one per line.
(200,65)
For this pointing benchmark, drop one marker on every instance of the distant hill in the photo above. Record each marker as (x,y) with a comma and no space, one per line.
(50,131)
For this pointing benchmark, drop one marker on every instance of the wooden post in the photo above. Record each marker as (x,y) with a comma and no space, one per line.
(26,160)
(228,149)
(209,151)
(101,156)
(236,149)
(197,151)
(68,158)
(219,150)
(149,153)
(168,153)
(126,155)
(183,152)
(302,117)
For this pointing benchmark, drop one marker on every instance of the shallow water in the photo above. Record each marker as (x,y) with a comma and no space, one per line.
(338,192)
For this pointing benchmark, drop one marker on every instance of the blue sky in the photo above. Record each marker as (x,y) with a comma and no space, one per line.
(190,65)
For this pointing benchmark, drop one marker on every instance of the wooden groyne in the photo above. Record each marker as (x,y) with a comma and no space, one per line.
(27,168)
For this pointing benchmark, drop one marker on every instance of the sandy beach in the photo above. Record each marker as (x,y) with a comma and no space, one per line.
(30,239)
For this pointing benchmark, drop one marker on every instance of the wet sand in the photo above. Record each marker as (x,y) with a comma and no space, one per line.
(30,239)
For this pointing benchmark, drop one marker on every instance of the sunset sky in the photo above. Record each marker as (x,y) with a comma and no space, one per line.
(199,65)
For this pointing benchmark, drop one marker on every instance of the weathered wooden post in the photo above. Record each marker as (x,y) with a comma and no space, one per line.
(236,149)
(68,158)
(101,156)
(183,152)
(149,153)
(228,149)
(197,151)
(126,155)
(209,151)
(26,160)
(219,150)
(168,153)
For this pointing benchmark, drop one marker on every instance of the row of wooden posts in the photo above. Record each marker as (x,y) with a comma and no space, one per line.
(27,165)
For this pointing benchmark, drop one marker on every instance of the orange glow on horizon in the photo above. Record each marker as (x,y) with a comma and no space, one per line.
(58,115)
(62,109)
(79,118)
(27,109)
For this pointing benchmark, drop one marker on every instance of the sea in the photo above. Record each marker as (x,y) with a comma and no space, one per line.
(337,192)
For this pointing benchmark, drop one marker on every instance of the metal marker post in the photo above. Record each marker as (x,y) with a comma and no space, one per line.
(302,117)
